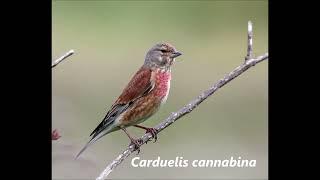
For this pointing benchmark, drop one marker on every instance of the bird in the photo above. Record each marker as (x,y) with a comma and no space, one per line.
(145,93)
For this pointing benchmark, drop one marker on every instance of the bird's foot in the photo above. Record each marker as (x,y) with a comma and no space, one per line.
(153,132)
(137,143)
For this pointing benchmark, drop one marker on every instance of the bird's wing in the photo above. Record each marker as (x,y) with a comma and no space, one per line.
(140,85)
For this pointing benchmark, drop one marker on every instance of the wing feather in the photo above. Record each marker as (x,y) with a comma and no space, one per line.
(140,85)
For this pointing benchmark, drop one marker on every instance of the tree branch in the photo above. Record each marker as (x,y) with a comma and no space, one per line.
(249,62)
(59,60)
(55,135)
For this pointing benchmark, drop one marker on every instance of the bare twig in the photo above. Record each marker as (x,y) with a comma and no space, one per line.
(55,135)
(56,62)
(250,35)
(190,106)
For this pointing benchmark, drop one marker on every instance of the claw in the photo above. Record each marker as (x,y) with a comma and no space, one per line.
(153,132)
(136,143)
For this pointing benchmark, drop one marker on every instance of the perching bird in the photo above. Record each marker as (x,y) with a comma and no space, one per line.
(142,97)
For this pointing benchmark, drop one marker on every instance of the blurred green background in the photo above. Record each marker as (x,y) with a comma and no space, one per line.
(110,40)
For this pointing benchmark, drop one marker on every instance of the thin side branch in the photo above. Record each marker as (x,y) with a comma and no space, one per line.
(59,60)
(250,35)
(190,106)
(55,135)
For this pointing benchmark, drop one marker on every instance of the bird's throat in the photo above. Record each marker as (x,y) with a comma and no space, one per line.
(162,84)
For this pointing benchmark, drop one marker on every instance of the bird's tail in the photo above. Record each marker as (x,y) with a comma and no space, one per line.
(85,147)
(94,139)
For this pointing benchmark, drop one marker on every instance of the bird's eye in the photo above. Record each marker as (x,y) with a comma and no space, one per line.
(163,50)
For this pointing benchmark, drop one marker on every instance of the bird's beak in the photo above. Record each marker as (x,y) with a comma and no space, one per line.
(176,54)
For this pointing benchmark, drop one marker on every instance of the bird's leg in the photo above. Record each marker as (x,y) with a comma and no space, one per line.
(135,142)
(152,131)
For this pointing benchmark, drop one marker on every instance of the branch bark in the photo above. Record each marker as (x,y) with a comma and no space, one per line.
(249,62)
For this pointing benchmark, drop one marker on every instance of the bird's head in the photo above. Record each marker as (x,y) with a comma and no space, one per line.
(162,56)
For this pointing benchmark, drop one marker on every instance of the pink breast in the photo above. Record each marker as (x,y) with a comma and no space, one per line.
(162,84)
